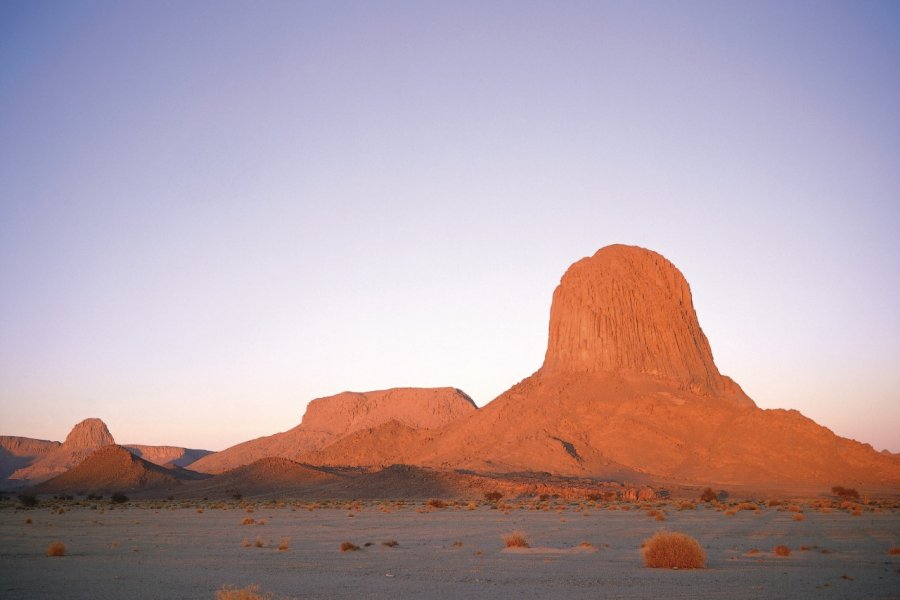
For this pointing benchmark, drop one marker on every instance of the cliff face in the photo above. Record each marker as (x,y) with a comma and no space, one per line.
(627,309)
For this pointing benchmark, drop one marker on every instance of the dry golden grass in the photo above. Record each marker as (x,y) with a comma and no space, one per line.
(781,550)
(799,516)
(284,545)
(747,506)
(248,521)
(349,547)
(437,503)
(672,550)
(686,505)
(251,592)
(516,539)
(56,548)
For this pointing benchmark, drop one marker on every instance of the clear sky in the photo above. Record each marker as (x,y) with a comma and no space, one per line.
(213,212)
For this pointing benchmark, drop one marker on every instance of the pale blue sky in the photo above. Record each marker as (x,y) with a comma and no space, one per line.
(213,212)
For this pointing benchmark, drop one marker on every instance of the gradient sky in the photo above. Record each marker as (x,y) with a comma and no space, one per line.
(213,212)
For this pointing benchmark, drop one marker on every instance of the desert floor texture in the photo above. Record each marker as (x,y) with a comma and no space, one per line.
(190,550)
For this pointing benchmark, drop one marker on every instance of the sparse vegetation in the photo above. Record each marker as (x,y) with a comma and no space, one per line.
(845,493)
(894,550)
(248,521)
(349,547)
(284,545)
(28,500)
(781,550)
(260,542)
(56,548)
(436,503)
(799,516)
(493,496)
(708,495)
(391,543)
(516,539)
(673,550)
(251,592)
(118,498)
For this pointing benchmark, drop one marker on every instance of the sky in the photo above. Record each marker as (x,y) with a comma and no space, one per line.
(214,212)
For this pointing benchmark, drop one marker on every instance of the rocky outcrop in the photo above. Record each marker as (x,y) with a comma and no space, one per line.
(83,439)
(629,390)
(627,309)
(89,434)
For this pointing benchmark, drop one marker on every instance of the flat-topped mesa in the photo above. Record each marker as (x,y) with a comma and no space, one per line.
(628,309)
(424,408)
(90,433)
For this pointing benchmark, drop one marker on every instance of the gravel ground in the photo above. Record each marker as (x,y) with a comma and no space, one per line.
(139,551)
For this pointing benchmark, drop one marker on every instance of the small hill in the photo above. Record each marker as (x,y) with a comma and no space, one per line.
(328,420)
(108,469)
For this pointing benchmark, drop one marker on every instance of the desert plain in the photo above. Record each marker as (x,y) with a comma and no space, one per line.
(444,549)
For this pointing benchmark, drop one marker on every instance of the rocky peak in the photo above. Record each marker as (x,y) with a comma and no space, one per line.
(90,433)
(628,309)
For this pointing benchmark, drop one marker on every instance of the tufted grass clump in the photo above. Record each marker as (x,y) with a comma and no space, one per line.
(673,550)
(516,539)
(56,548)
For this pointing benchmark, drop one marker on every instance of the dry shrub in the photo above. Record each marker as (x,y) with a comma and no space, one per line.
(773,503)
(28,521)
(845,492)
(708,495)
(794,508)
(894,550)
(781,550)
(284,545)
(856,512)
(261,522)
(56,548)
(349,547)
(747,506)
(685,505)
(516,539)
(251,592)
(672,550)
(730,512)
(799,516)
(436,503)
(246,543)
(248,521)
(259,543)
(391,543)
(660,516)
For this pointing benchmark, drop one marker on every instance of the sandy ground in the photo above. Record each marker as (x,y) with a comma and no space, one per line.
(142,552)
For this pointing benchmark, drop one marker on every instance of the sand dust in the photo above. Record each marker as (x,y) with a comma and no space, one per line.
(450,553)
